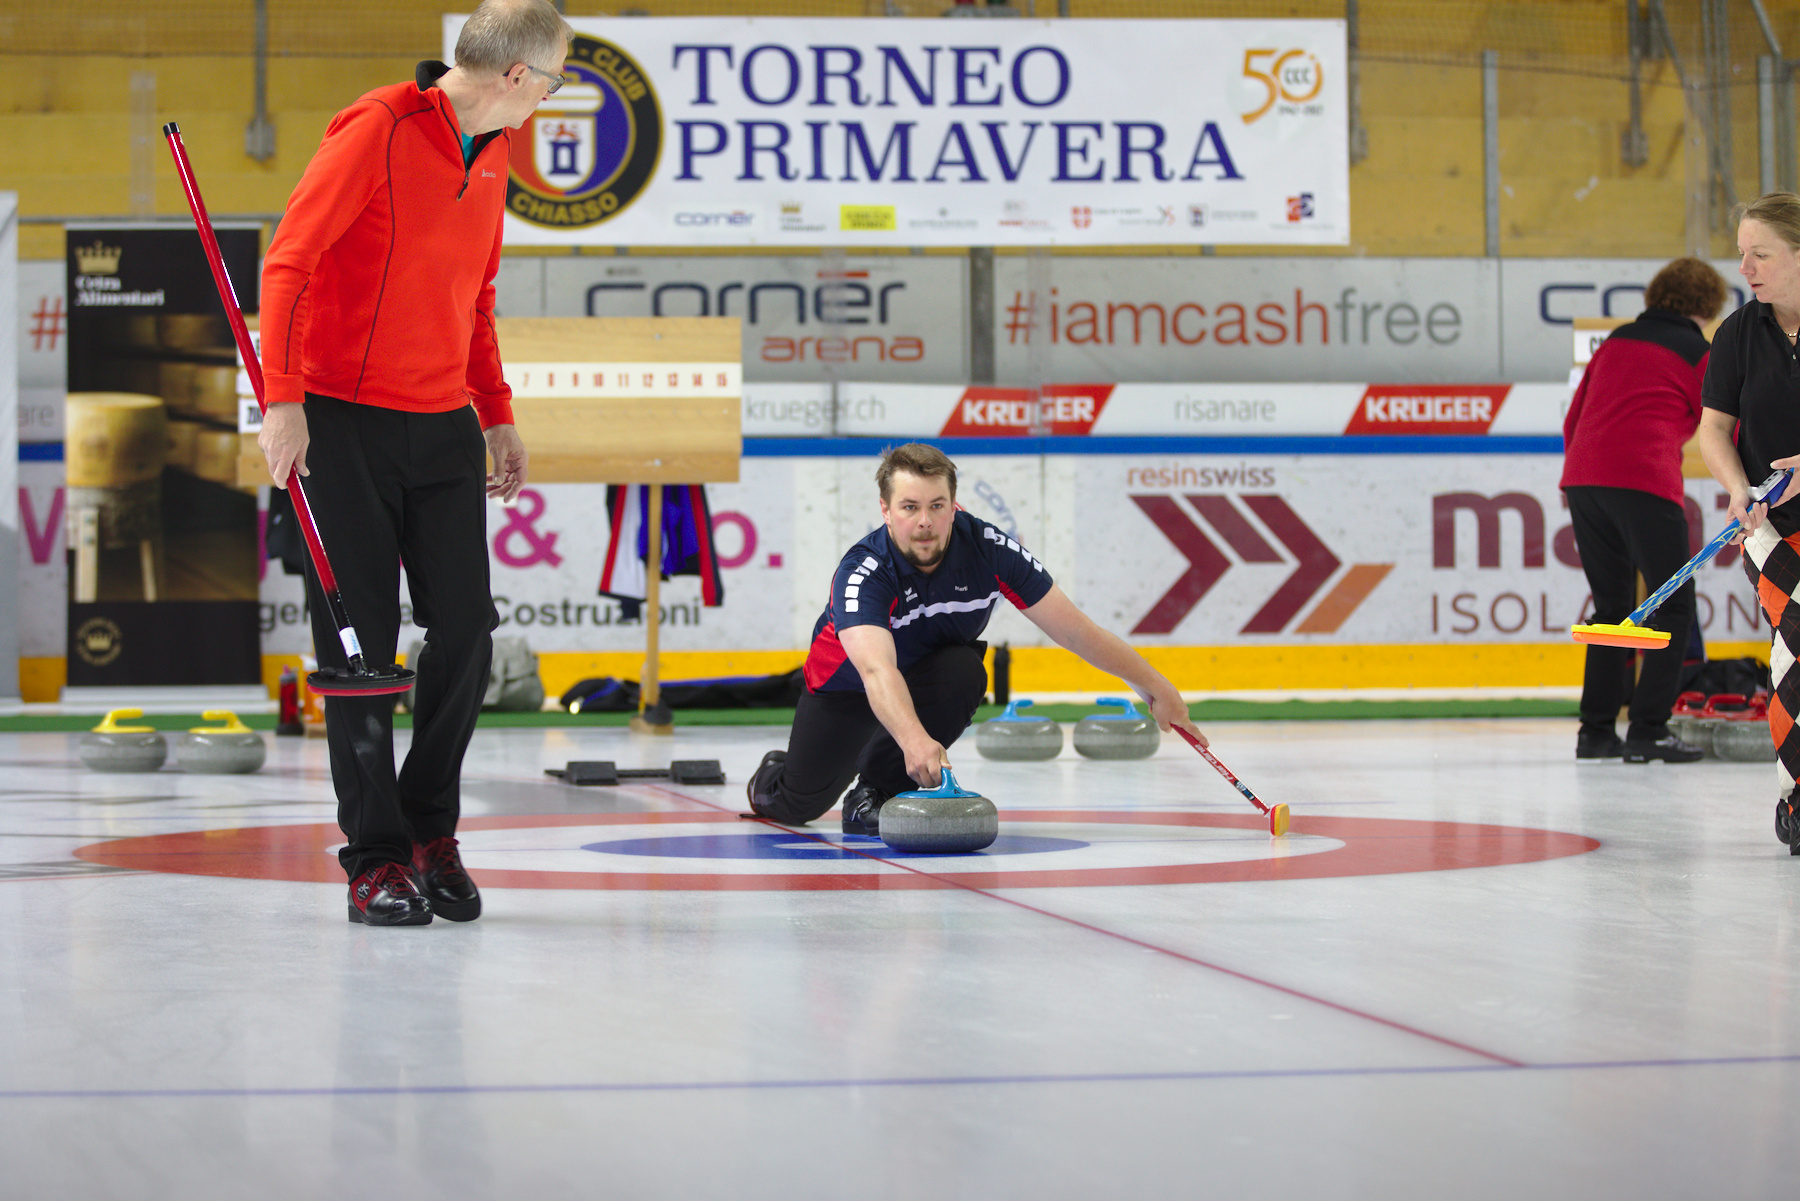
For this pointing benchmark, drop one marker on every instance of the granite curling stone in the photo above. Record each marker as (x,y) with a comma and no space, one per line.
(946,820)
(1686,715)
(1717,711)
(1017,736)
(1126,734)
(233,748)
(1745,738)
(116,748)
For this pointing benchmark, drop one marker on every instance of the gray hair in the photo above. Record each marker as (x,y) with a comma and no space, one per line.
(501,33)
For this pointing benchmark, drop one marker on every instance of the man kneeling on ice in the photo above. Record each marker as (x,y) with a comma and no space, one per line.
(895,669)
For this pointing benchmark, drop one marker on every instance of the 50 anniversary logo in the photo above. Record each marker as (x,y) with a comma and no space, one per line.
(589,150)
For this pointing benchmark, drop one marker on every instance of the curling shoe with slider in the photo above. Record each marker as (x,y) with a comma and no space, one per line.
(862,811)
(762,781)
(1598,744)
(385,896)
(442,879)
(1787,823)
(1668,749)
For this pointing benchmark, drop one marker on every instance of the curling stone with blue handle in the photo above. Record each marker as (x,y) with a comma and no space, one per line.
(946,820)
(232,748)
(1015,735)
(1126,734)
(116,748)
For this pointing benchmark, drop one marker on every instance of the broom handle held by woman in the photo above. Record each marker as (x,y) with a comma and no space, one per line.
(1768,491)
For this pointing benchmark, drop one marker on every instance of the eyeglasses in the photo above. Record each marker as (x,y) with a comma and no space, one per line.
(556,81)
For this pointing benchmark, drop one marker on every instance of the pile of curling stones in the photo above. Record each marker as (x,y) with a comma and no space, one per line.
(1727,725)
(1122,732)
(229,748)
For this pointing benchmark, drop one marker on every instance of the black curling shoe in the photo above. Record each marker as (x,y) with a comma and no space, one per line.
(862,811)
(1601,744)
(759,782)
(1785,822)
(1668,748)
(385,896)
(442,879)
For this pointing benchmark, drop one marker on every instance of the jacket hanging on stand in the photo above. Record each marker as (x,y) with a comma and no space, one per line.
(687,544)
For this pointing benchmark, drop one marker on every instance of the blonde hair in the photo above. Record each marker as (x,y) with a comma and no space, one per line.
(1780,211)
(502,33)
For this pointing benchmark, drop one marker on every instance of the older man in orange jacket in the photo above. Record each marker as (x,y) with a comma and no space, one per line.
(385,390)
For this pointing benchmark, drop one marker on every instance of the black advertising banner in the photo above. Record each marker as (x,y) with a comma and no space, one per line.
(163,562)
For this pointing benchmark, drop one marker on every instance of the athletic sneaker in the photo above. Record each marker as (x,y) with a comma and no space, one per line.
(1786,824)
(1668,748)
(1598,744)
(862,811)
(769,767)
(385,896)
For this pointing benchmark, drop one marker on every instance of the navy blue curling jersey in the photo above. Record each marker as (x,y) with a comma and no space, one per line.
(925,612)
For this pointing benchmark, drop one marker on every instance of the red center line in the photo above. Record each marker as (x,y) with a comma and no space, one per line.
(950,879)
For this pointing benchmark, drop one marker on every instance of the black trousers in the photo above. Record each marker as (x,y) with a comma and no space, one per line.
(836,736)
(1621,532)
(389,487)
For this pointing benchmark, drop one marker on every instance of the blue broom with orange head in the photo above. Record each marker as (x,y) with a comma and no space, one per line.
(1632,633)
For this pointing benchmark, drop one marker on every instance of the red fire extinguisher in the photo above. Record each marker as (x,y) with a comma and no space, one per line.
(288,703)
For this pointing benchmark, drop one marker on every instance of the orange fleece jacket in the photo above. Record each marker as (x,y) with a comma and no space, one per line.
(379,286)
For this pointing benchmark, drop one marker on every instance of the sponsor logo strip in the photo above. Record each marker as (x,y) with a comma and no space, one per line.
(1427,409)
(1017,412)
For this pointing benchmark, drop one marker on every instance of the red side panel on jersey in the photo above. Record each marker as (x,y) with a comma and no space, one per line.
(824,657)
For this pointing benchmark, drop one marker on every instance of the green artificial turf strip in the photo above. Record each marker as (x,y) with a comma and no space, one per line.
(1202,712)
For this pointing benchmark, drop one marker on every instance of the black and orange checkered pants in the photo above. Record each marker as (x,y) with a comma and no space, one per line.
(1773,565)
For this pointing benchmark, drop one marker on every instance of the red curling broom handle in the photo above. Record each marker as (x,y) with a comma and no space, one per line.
(1220,767)
(334,599)
(241,332)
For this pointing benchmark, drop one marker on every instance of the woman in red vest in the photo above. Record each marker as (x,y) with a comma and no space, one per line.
(1637,404)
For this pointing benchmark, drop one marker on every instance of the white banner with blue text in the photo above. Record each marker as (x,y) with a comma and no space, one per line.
(889,132)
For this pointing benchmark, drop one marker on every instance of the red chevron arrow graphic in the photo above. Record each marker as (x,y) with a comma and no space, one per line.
(1238,533)
(1317,563)
(1206,563)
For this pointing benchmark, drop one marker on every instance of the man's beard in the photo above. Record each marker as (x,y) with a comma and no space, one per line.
(912,556)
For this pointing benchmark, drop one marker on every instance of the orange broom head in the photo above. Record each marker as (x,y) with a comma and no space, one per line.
(1636,638)
(1278,820)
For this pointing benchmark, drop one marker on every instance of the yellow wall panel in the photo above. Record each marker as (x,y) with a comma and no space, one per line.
(1422,215)
(1392,89)
(1423,147)
(41,680)
(1615,218)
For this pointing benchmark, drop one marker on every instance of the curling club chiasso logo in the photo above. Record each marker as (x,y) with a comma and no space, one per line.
(589,150)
